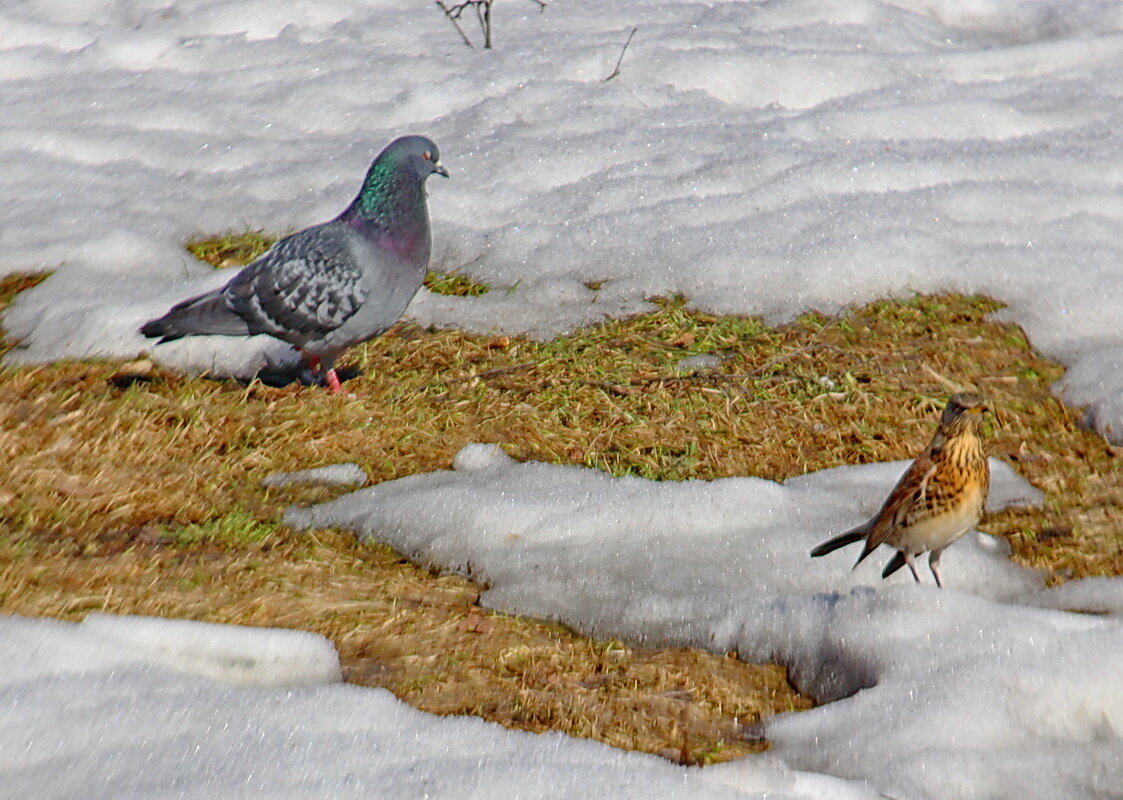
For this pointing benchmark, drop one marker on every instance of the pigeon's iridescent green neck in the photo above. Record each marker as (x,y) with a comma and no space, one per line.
(388,192)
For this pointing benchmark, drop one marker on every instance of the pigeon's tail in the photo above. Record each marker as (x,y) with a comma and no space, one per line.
(202,315)
(843,539)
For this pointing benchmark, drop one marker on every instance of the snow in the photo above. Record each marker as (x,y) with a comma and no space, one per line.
(250,656)
(86,718)
(350,474)
(757,157)
(526,530)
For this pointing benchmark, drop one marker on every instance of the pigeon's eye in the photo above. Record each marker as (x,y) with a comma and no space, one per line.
(427,156)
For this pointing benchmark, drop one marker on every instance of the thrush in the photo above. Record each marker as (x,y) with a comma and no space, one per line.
(939,498)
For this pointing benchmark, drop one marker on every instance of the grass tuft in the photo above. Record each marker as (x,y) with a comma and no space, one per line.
(231,249)
(11,285)
(233,529)
(454,283)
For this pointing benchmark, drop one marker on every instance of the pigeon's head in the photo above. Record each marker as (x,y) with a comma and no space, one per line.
(417,152)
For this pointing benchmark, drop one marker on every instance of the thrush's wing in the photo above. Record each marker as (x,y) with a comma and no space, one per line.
(909,491)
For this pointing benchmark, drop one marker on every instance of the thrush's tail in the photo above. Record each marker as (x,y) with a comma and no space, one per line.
(895,563)
(205,314)
(843,539)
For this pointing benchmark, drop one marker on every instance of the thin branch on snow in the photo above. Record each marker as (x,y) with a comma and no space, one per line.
(620,60)
(455,20)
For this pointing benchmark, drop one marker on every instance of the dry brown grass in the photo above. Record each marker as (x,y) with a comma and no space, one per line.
(143,495)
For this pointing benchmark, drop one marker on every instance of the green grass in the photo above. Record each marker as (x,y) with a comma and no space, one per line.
(231,249)
(232,529)
(454,283)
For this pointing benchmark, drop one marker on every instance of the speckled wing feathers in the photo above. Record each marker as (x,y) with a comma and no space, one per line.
(902,502)
(307,285)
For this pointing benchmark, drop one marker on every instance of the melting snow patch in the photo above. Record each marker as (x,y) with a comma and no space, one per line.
(332,475)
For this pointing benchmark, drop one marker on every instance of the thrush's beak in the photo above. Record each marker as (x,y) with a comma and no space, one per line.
(439,168)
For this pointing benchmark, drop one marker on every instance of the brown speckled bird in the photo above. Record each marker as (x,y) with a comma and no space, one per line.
(939,498)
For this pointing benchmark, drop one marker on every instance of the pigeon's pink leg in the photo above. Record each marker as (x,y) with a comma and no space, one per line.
(332,379)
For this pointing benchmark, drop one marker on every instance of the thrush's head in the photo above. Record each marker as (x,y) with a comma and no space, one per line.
(963,412)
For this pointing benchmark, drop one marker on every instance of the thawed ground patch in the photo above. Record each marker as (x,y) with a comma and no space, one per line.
(144,496)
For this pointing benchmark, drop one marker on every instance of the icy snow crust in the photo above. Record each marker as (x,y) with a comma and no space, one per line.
(86,718)
(760,158)
(965,692)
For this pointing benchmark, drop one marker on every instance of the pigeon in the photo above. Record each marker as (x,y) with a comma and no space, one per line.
(333,285)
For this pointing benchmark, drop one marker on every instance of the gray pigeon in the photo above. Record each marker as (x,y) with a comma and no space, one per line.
(333,285)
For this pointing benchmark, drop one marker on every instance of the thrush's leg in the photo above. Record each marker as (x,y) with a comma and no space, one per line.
(934,565)
(912,565)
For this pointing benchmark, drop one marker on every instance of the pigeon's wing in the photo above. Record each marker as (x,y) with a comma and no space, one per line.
(305,287)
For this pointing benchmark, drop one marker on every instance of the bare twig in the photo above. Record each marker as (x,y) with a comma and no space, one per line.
(948,382)
(484,16)
(482,8)
(613,388)
(454,18)
(620,60)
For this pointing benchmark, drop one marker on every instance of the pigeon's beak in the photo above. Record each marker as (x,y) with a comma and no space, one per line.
(439,168)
